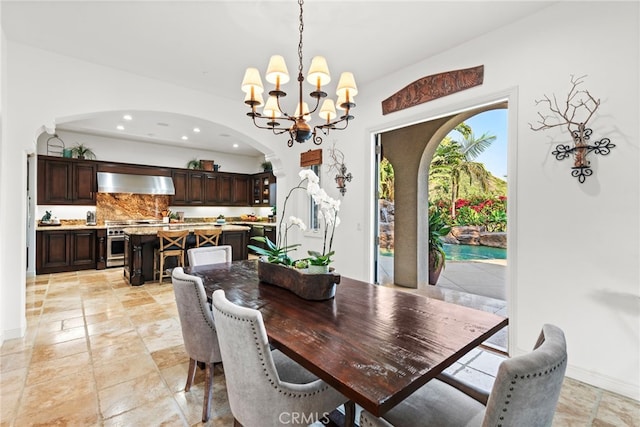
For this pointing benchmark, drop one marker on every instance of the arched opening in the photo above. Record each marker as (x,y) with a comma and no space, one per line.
(152,138)
(410,151)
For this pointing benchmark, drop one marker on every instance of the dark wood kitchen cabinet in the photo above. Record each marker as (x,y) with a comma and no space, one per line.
(196,187)
(189,186)
(65,250)
(66,181)
(241,190)
(238,240)
(262,188)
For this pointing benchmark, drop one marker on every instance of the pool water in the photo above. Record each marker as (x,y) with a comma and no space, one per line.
(470,252)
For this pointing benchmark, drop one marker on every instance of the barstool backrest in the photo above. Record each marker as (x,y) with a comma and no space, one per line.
(207,236)
(172,239)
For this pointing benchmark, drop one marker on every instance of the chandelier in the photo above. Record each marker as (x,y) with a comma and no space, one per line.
(300,129)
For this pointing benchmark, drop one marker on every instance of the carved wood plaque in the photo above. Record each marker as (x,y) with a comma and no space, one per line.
(432,87)
(311,157)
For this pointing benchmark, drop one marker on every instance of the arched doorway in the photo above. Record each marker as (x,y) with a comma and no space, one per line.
(410,150)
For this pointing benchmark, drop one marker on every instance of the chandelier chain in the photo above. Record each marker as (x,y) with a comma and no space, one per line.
(301,29)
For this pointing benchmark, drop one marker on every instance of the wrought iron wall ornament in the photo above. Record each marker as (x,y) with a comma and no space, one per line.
(579,102)
(342,176)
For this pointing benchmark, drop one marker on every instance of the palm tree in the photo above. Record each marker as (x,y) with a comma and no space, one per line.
(470,148)
(454,160)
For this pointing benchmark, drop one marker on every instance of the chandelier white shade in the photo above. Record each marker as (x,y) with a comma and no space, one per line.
(298,126)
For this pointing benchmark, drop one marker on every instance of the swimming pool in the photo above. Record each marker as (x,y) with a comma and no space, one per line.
(470,252)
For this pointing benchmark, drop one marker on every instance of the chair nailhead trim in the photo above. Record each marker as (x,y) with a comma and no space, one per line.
(528,376)
(204,316)
(262,359)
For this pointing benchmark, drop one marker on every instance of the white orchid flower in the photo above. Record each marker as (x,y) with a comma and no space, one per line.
(313,188)
(298,222)
(309,175)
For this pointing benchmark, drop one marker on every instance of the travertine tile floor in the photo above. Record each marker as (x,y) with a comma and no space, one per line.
(98,352)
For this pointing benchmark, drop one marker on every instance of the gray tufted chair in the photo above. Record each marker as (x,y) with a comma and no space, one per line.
(263,391)
(198,331)
(525,394)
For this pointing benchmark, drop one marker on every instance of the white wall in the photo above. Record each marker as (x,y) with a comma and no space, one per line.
(3,63)
(569,264)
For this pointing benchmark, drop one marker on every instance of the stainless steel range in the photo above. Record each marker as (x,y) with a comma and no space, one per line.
(115,238)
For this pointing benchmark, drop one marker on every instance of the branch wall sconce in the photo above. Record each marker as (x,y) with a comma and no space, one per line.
(579,103)
(342,176)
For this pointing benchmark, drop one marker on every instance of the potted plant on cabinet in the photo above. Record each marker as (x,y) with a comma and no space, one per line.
(437,229)
(81,151)
(266,166)
(194,164)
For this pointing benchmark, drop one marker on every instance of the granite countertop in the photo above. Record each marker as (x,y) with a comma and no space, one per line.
(183,226)
(250,223)
(69,227)
(245,225)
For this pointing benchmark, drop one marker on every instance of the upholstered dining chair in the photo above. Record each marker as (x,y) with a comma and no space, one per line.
(172,244)
(198,331)
(525,393)
(262,389)
(210,255)
(207,236)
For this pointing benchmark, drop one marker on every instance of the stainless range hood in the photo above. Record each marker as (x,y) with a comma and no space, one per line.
(109,182)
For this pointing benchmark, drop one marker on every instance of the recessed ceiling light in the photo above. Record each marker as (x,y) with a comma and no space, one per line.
(120,127)
(196,130)
(127,117)
(184,137)
(235,145)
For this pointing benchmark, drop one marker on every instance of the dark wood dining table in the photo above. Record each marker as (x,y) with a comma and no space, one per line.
(374,344)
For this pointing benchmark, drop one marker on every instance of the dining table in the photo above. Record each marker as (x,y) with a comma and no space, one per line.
(374,344)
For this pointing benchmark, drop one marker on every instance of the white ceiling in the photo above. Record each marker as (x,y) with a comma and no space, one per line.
(207,45)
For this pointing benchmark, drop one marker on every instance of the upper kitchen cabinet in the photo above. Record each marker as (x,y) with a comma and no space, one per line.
(233,189)
(196,187)
(263,187)
(64,181)
(189,186)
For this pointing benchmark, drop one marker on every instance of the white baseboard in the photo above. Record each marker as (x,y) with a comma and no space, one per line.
(12,334)
(604,382)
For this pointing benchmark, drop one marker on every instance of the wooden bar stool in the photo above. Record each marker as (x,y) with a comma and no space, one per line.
(207,236)
(172,244)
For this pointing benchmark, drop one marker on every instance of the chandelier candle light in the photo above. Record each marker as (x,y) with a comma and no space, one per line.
(299,130)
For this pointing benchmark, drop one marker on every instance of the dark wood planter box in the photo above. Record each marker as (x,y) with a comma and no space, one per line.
(315,287)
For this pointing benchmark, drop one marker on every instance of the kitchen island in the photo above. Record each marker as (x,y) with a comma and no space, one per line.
(141,241)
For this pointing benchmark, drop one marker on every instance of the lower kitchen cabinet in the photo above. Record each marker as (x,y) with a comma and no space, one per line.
(65,250)
(238,240)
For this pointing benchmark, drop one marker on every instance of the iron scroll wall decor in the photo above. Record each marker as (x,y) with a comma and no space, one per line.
(580,150)
(579,103)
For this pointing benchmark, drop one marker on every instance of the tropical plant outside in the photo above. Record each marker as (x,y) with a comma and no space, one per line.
(465,192)
(490,212)
(386,181)
(453,162)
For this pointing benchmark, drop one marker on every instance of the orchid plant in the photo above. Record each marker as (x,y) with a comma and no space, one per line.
(278,252)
